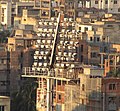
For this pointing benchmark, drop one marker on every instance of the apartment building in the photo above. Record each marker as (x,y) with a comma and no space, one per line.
(10,9)
(98,94)
(111,6)
(11,65)
(4,73)
(111,94)
(90,93)
(28,20)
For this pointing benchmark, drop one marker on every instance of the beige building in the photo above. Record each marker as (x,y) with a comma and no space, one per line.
(110,6)
(5,13)
(4,103)
(8,10)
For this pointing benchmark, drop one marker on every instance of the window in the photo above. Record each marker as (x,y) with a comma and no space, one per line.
(83,87)
(2,108)
(106,2)
(90,38)
(54,95)
(81,58)
(93,54)
(107,64)
(98,39)
(118,9)
(13,9)
(59,96)
(82,101)
(109,25)
(2,61)
(4,83)
(115,1)
(2,19)
(96,2)
(3,10)
(86,28)
(79,28)
(59,82)
(94,39)
(81,48)
(45,4)
(112,86)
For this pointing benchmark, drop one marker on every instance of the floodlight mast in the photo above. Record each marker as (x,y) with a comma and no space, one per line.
(52,58)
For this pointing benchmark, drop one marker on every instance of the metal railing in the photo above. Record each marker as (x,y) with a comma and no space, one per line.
(28,72)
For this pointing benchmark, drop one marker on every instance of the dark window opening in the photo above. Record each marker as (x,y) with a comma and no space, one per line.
(115,1)
(86,28)
(112,86)
(59,96)
(98,39)
(96,2)
(2,108)
(107,64)
(81,58)
(118,9)
(59,82)
(106,2)
(83,87)
(90,38)
(93,54)
(79,28)
(81,48)
(94,39)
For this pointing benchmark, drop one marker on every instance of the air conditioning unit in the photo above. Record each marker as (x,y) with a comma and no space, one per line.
(45,23)
(40,57)
(38,69)
(35,63)
(50,23)
(42,52)
(48,41)
(38,41)
(65,19)
(45,64)
(42,46)
(35,57)
(40,64)
(36,52)
(40,23)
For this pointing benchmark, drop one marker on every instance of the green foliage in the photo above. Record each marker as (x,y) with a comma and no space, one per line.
(114,73)
(3,36)
(24,99)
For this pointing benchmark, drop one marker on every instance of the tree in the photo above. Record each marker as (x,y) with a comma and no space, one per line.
(24,99)
(3,36)
(114,73)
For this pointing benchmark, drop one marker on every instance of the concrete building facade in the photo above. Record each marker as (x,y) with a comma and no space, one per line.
(4,103)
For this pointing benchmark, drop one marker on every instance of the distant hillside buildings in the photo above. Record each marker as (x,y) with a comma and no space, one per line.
(50,8)
(87,50)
